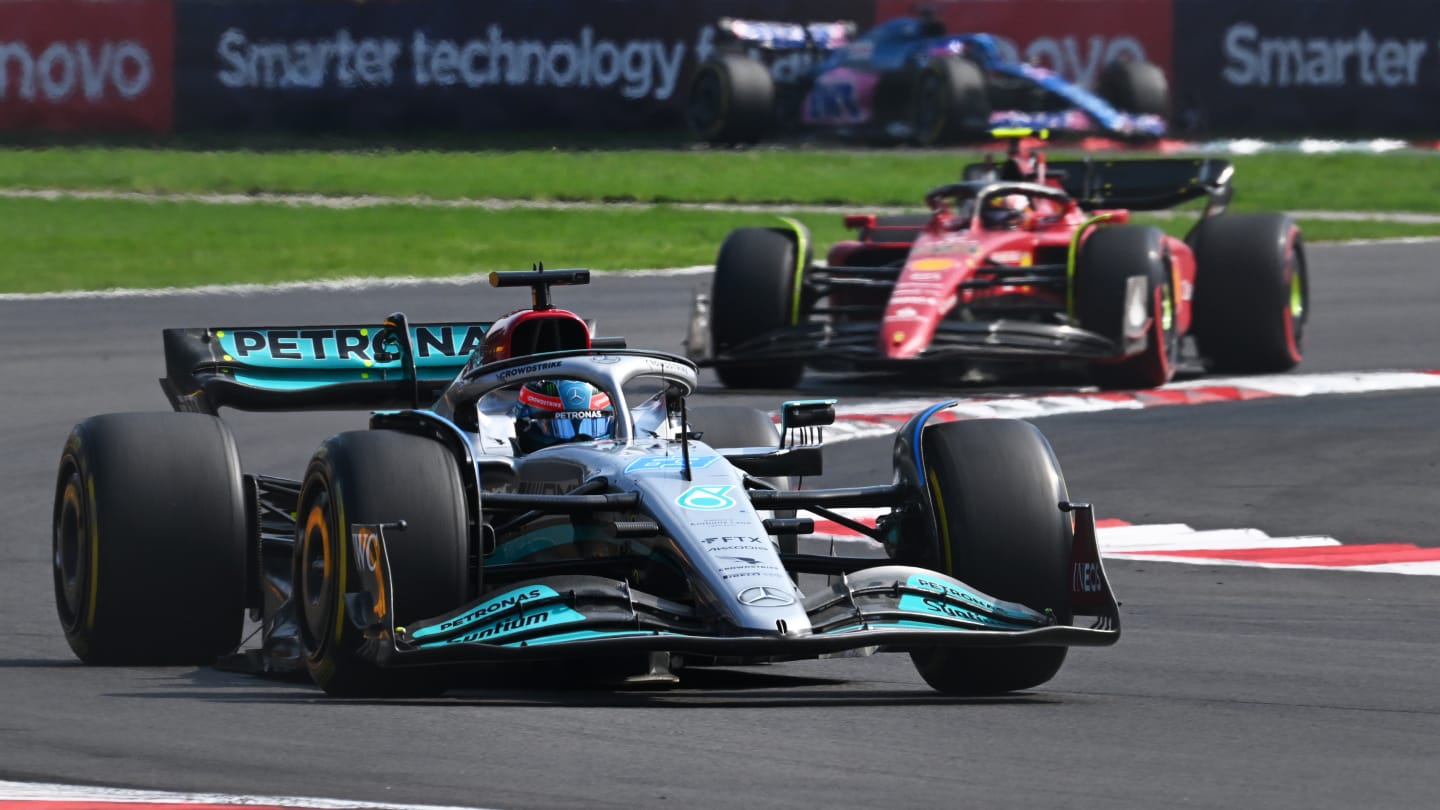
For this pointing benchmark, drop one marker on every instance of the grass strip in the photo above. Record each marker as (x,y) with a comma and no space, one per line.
(1277,181)
(93,244)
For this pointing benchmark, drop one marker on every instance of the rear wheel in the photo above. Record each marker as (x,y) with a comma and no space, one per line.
(150,534)
(754,291)
(377,476)
(997,487)
(1110,257)
(1252,292)
(950,103)
(731,100)
(1136,87)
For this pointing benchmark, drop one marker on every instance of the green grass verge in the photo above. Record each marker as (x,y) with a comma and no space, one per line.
(1396,182)
(91,244)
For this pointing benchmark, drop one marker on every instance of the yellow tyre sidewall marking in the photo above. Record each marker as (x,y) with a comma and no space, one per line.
(942,523)
(94,573)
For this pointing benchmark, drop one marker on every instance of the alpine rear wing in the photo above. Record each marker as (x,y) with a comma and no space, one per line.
(1139,185)
(293,368)
(785,36)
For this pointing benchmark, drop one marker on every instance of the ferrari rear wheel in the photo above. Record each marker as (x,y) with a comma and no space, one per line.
(370,477)
(1109,258)
(731,100)
(754,292)
(1252,292)
(150,539)
(996,489)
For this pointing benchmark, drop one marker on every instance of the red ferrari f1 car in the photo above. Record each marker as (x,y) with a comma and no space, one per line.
(1022,262)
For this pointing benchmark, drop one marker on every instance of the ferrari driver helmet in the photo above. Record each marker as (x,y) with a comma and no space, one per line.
(549,412)
(1006,211)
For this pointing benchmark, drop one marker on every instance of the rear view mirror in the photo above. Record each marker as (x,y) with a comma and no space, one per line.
(803,413)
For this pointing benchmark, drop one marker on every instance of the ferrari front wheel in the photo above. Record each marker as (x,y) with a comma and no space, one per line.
(755,292)
(1111,260)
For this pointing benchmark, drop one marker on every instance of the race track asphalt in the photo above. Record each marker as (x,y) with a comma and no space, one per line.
(1232,687)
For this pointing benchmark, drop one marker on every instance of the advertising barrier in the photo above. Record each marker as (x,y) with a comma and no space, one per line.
(1075,38)
(94,65)
(452,64)
(1332,66)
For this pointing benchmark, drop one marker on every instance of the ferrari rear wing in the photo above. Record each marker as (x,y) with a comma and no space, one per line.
(1139,185)
(290,368)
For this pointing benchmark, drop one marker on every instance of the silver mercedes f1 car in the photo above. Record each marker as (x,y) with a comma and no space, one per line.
(529,492)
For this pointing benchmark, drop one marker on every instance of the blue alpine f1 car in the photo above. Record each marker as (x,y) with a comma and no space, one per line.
(528,492)
(906,80)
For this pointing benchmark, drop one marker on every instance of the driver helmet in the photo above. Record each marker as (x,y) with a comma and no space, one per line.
(1006,212)
(549,412)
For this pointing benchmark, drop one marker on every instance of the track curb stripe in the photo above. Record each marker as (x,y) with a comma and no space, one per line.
(1179,543)
(44,796)
(884,417)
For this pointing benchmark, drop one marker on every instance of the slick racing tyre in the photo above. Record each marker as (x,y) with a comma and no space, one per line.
(754,292)
(949,103)
(731,100)
(376,476)
(1252,292)
(734,426)
(996,488)
(1136,87)
(737,426)
(150,539)
(1108,259)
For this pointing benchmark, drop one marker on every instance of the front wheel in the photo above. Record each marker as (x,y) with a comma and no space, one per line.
(368,477)
(996,488)
(1108,262)
(150,534)
(755,291)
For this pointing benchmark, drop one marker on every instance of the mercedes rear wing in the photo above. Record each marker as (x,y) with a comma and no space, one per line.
(291,368)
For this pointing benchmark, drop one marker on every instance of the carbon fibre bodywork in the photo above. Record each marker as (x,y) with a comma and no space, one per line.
(827,78)
(952,290)
(438,537)
(711,526)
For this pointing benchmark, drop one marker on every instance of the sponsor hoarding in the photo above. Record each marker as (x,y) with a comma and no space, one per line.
(1319,66)
(86,65)
(451,64)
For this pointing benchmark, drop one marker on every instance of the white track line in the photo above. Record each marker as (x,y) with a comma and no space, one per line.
(346,284)
(39,792)
(356,201)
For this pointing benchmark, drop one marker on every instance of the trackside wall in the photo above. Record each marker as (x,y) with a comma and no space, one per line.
(1277,68)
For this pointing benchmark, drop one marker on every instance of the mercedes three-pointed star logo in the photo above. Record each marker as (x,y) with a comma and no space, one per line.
(765,596)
